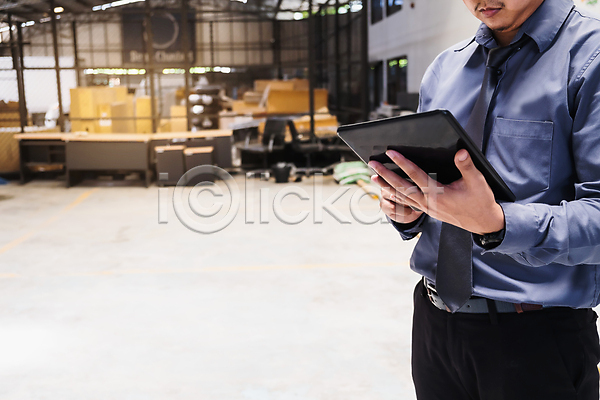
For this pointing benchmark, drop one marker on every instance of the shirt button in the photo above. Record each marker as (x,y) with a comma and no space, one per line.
(499,72)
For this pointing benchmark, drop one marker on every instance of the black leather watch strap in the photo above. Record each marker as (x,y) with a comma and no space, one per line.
(489,240)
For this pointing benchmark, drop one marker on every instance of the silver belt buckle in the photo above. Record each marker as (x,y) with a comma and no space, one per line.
(433,295)
(430,291)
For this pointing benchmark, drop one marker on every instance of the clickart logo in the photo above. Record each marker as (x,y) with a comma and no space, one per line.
(186,199)
(207,199)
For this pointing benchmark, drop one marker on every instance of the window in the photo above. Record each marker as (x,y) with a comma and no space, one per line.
(394,6)
(375,85)
(397,80)
(376,10)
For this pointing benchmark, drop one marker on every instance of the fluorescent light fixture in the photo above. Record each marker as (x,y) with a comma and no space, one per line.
(199,70)
(114,71)
(203,70)
(58,10)
(118,3)
(173,71)
(241,1)
(356,6)
(285,15)
(28,23)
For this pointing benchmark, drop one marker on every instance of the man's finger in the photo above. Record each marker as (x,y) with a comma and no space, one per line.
(416,174)
(469,172)
(390,193)
(395,210)
(399,198)
(379,181)
(393,179)
(398,213)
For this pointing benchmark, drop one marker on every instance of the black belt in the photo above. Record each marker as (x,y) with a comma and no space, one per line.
(479,305)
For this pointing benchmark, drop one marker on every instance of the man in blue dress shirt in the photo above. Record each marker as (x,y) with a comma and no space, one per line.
(528,332)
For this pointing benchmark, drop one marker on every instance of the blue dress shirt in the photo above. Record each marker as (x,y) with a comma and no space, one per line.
(543,138)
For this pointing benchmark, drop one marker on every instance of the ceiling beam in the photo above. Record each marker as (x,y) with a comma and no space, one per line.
(7,6)
(70,7)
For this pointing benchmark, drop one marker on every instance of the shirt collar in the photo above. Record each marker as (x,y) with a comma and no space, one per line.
(542,26)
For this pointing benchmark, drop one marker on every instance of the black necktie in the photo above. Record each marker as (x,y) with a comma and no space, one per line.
(454,274)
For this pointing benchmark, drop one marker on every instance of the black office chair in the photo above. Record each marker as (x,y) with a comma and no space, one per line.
(306,146)
(311,145)
(272,141)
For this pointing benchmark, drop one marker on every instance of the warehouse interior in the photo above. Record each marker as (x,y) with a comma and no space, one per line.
(180,219)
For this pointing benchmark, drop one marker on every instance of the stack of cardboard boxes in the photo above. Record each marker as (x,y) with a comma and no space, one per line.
(279,97)
(109,110)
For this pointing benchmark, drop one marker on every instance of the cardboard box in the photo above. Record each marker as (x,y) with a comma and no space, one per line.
(123,110)
(252,97)
(85,102)
(260,85)
(178,119)
(9,152)
(295,101)
(227,118)
(321,121)
(164,126)
(241,107)
(300,84)
(143,114)
(10,117)
(104,123)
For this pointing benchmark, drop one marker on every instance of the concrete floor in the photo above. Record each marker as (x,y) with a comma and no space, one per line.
(100,301)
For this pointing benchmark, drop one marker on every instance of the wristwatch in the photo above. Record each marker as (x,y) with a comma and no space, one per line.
(489,240)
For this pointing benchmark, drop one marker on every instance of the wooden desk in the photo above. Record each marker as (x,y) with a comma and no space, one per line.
(78,152)
(43,151)
(209,133)
(40,136)
(108,152)
(107,137)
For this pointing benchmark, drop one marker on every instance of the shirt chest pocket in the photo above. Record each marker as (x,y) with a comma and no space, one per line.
(521,152)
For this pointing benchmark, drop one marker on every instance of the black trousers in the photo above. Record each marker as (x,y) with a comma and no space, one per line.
(547,354)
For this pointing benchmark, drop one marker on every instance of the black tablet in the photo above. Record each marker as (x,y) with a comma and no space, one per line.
(429,139)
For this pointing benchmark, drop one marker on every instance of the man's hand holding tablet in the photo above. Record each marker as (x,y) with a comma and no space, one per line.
(426,162)
(468,202)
